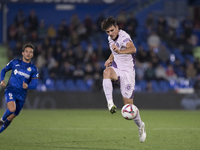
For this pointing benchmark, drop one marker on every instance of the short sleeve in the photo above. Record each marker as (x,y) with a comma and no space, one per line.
(35,73)
(9,65)
(125,40)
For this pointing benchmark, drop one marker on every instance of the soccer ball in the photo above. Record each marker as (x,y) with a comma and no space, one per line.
(129,111)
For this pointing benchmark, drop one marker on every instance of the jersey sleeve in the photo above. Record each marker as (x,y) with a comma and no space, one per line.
(35,73)
(9,65)
(5,69)
(33,84)
(125,39)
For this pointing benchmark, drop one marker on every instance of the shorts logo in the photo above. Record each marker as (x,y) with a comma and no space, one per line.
(128,87)
(10,95)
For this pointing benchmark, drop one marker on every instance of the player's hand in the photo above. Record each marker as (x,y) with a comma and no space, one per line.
(107,63)
(25,86)
(115,48)
(3,84)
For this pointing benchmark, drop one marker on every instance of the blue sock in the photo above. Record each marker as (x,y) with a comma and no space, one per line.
(6,114)
(5,125)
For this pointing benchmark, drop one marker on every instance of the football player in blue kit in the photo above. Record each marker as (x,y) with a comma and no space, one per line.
(24,76)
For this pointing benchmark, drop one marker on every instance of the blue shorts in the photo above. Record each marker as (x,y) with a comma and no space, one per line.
(19,104)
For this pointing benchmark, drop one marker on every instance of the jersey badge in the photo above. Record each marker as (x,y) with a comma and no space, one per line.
(29,68)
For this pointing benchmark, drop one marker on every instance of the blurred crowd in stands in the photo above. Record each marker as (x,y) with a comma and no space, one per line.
(76,49)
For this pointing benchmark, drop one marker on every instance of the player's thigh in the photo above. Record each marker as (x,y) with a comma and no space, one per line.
(11,106)
(10,100)
(19,106)
(109,73)
(127,100)
(127,86)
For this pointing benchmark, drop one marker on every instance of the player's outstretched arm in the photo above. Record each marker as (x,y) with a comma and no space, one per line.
(130,49)
(3,84)
(33,84)
(109,61)
(3,73)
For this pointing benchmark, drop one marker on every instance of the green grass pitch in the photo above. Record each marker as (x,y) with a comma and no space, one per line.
(93,129)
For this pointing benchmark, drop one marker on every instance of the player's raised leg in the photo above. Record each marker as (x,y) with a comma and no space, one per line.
(8,115)
(109,75)
(7,122)
(11,107)
(1,122)
(138,121)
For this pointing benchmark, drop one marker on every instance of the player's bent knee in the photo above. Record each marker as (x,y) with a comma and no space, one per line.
(106,73)
(12,109)
(11,106)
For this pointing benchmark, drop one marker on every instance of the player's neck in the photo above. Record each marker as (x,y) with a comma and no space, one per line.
(25,60)
(116,37)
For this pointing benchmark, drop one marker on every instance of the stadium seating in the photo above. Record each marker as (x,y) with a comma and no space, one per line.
(155,86)
(50,84)
(60,85)
(101,38)
(142,85)
(70,85)
(81,85)
(164,86)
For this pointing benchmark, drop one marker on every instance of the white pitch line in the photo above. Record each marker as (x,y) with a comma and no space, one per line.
(115,129)
(110,129)
(80,129)
(176,129)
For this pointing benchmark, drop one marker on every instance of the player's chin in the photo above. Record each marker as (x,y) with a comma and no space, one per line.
(27,58)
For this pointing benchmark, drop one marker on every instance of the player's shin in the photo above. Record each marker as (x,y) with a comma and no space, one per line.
(5,125)
(108,89)
(137,119)
(6,114)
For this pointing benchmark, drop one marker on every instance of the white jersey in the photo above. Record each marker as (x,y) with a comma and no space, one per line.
(124,62)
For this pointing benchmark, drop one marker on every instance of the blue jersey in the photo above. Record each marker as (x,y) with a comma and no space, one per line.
(21,71)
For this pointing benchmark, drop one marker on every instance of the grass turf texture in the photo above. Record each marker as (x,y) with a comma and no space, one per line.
(77,129)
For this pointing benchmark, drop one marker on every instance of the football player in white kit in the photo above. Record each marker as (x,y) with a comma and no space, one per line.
(120,67)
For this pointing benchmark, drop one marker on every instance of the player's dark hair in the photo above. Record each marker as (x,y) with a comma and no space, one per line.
(28,45)
(108,23)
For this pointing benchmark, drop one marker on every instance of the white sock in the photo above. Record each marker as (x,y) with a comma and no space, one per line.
(137,119)
(108,89)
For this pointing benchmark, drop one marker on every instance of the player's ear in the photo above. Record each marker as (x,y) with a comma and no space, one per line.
(117,27)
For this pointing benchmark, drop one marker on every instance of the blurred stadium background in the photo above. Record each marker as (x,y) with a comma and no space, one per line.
(71,50)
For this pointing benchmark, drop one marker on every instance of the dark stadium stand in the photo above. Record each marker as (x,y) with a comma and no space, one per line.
(75,48)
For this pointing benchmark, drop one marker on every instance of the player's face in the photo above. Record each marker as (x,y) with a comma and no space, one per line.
(27,54)
(112,31)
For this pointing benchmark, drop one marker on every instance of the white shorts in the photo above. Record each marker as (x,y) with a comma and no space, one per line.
(127,82)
